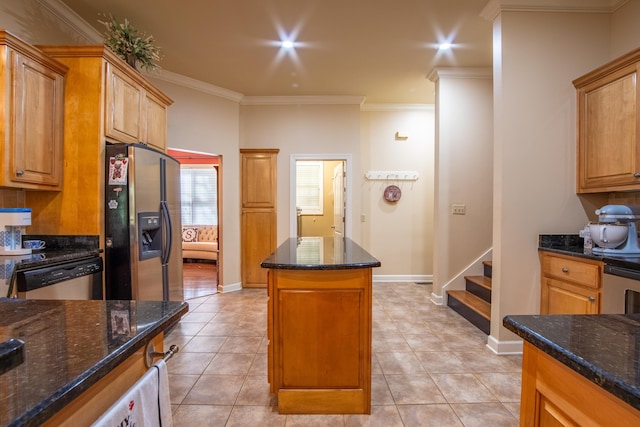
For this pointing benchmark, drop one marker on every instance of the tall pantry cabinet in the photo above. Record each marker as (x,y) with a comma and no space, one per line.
(105,99)
(258,232)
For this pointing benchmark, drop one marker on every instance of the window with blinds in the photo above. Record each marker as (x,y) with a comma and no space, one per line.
(309,191)
(199,194)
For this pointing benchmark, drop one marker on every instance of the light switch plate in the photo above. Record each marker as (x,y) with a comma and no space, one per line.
(458,209)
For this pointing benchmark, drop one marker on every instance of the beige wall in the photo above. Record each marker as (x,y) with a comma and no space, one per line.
(625,31)
(399,234)
(534,144)
(35,24)
(303,130)
(464,170)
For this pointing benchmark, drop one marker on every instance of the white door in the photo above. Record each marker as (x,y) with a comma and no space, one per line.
(339,190)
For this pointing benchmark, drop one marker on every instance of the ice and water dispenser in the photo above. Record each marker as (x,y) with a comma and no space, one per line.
(149,235)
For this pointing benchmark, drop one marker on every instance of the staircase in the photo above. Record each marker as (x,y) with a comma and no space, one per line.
(474,303)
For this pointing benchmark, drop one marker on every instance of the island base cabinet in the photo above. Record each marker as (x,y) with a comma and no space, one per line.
(86,409)
(555,395)
(320,340)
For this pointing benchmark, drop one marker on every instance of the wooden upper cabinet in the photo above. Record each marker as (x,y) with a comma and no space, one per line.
(32,128)
(124,105)
(154,121)
(259,179)
(105,100)
(609,127)
(135,112)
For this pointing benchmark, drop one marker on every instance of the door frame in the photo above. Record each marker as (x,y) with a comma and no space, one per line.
(347,159)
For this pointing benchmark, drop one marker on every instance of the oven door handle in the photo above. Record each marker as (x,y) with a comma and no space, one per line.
(622,272)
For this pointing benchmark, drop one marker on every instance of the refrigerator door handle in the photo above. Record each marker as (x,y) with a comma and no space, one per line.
(166,221)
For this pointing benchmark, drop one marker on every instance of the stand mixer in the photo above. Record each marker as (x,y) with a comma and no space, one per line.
(619,215)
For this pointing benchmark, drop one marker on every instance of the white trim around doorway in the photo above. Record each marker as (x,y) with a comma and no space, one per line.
(347,158)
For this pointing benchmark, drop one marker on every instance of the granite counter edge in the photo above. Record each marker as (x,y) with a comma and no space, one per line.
(345,266)
(65,395)
(594,374)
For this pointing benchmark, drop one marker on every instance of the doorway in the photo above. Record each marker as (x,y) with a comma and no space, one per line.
(320,196)
(200,176)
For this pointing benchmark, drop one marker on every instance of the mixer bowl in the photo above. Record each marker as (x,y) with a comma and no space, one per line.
(608,236)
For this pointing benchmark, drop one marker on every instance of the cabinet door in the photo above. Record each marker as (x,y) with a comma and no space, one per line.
(258,240)
(551,416)
(556,395)
(37,126)
(608,145)
(154,121)
(123,106)
(259,180)
(560,297)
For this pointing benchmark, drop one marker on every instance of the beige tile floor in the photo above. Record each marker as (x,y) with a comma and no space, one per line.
(430,366)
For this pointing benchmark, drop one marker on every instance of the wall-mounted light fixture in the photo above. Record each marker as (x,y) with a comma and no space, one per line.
(401,136)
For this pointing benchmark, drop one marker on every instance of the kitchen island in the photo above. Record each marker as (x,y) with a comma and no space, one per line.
(319,326)
(79,356)
(579,369)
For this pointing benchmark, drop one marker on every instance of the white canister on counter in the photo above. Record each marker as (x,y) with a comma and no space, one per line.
(586,235)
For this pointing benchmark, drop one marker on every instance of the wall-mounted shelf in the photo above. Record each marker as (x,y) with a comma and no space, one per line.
(392,175)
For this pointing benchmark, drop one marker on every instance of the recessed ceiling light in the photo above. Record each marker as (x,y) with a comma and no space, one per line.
(287,44)
(444,46)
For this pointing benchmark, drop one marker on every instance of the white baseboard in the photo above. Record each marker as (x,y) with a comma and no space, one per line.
(437,299)
(232,287)
(504,347)
(399,278)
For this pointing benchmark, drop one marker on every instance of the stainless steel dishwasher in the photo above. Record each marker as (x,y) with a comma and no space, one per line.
(70,280)
(620,290)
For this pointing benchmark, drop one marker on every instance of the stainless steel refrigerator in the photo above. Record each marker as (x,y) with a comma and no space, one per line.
(143,250)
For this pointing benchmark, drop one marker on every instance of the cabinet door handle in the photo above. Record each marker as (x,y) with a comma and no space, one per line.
(592,299)
(636,175)
(565,270)
(19,172)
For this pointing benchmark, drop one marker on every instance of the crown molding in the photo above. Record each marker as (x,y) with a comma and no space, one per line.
(302,100)
(495,7)
(188,82)
(397,107)
(460,73)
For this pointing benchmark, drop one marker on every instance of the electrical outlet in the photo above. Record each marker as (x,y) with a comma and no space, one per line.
(363,218)
(458,209)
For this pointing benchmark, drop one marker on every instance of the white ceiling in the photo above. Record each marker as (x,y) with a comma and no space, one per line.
(382,50)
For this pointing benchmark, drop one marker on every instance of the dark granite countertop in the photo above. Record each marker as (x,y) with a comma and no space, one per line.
(572,245)
(605,349)
(69,346)
(319,253)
